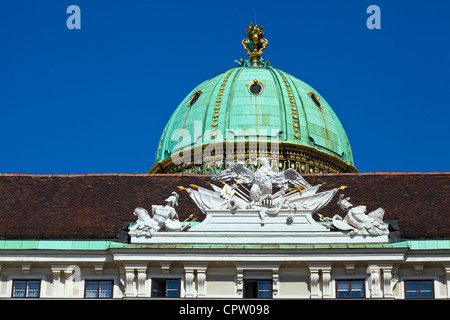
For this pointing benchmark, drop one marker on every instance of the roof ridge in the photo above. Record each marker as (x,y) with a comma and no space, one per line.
(75,175)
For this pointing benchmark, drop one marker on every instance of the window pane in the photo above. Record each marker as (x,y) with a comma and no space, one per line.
(357,289)
(33,289)
(426,289)
(343,289)
(412,285)
(173,288)
(105,289)
(250,289)
(91,294)
(92,289)
(158,288)
(92,285)
(343,285)
(426,285)
(412,289)
(19,289)
(264,289)
(412,294)
(173,284)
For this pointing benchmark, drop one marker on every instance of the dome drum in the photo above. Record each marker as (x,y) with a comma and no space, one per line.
(304,159)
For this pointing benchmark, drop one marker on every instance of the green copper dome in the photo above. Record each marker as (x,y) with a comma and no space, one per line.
(260,101)
(250,112)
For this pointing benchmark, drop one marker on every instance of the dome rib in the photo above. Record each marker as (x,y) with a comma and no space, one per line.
(283,115)
(304,139)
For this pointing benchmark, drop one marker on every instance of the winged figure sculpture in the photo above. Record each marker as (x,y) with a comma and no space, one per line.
(263,180)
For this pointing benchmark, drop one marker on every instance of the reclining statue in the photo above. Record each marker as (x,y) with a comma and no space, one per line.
(357,221)
(163,218)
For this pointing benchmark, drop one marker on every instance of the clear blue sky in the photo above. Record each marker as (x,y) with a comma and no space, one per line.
(96,100)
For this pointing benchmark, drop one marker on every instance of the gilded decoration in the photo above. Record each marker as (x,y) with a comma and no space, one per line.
(217,107)
(293,107)
(304,159)
(255,43)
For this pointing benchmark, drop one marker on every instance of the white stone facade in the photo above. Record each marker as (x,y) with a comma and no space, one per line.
(214,271)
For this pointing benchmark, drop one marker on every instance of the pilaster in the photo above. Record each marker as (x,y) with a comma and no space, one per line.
(314,277)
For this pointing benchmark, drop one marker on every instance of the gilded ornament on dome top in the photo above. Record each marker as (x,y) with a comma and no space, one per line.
(255,43)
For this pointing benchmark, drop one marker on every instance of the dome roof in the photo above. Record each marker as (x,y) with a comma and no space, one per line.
(284,105)
(253,111)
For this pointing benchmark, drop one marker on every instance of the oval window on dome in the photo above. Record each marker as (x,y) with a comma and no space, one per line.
(194,98)
(255,87)
(315,99)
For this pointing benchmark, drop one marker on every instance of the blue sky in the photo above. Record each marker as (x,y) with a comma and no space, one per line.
(96,100)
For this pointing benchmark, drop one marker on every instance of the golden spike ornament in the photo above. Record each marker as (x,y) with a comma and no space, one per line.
(255,43)
(300,187)
(190,217)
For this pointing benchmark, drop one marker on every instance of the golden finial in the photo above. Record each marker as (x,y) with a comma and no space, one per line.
(181,188)
(342,187)
(255,43)
(194,186)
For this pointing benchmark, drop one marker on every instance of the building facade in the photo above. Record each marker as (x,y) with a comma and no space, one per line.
(68,237)
(236,210)
(106,269)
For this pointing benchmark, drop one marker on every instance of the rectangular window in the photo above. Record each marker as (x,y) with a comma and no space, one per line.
(165,288)
(257,289)
(350,289)
(419,289)
(96,289)
(26,288)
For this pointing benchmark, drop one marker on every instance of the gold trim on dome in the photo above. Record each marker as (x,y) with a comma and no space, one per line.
(303,158)
(217,107)
(294,108)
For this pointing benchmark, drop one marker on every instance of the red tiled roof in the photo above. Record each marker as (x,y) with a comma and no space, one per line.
(95,206)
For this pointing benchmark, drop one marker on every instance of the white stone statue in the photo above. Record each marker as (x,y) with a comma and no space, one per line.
(260,196)
(263,180)
(246,208)
(357,221)
(163,218)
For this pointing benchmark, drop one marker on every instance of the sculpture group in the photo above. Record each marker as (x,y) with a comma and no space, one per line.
(163,218)
(266,192)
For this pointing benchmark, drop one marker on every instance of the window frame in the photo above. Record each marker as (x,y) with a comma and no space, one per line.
(98,288)
(257,281)
(255,82)
(194,98)
(405,282)
(165,287)
(315,99)
(363,281)
(26,288)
